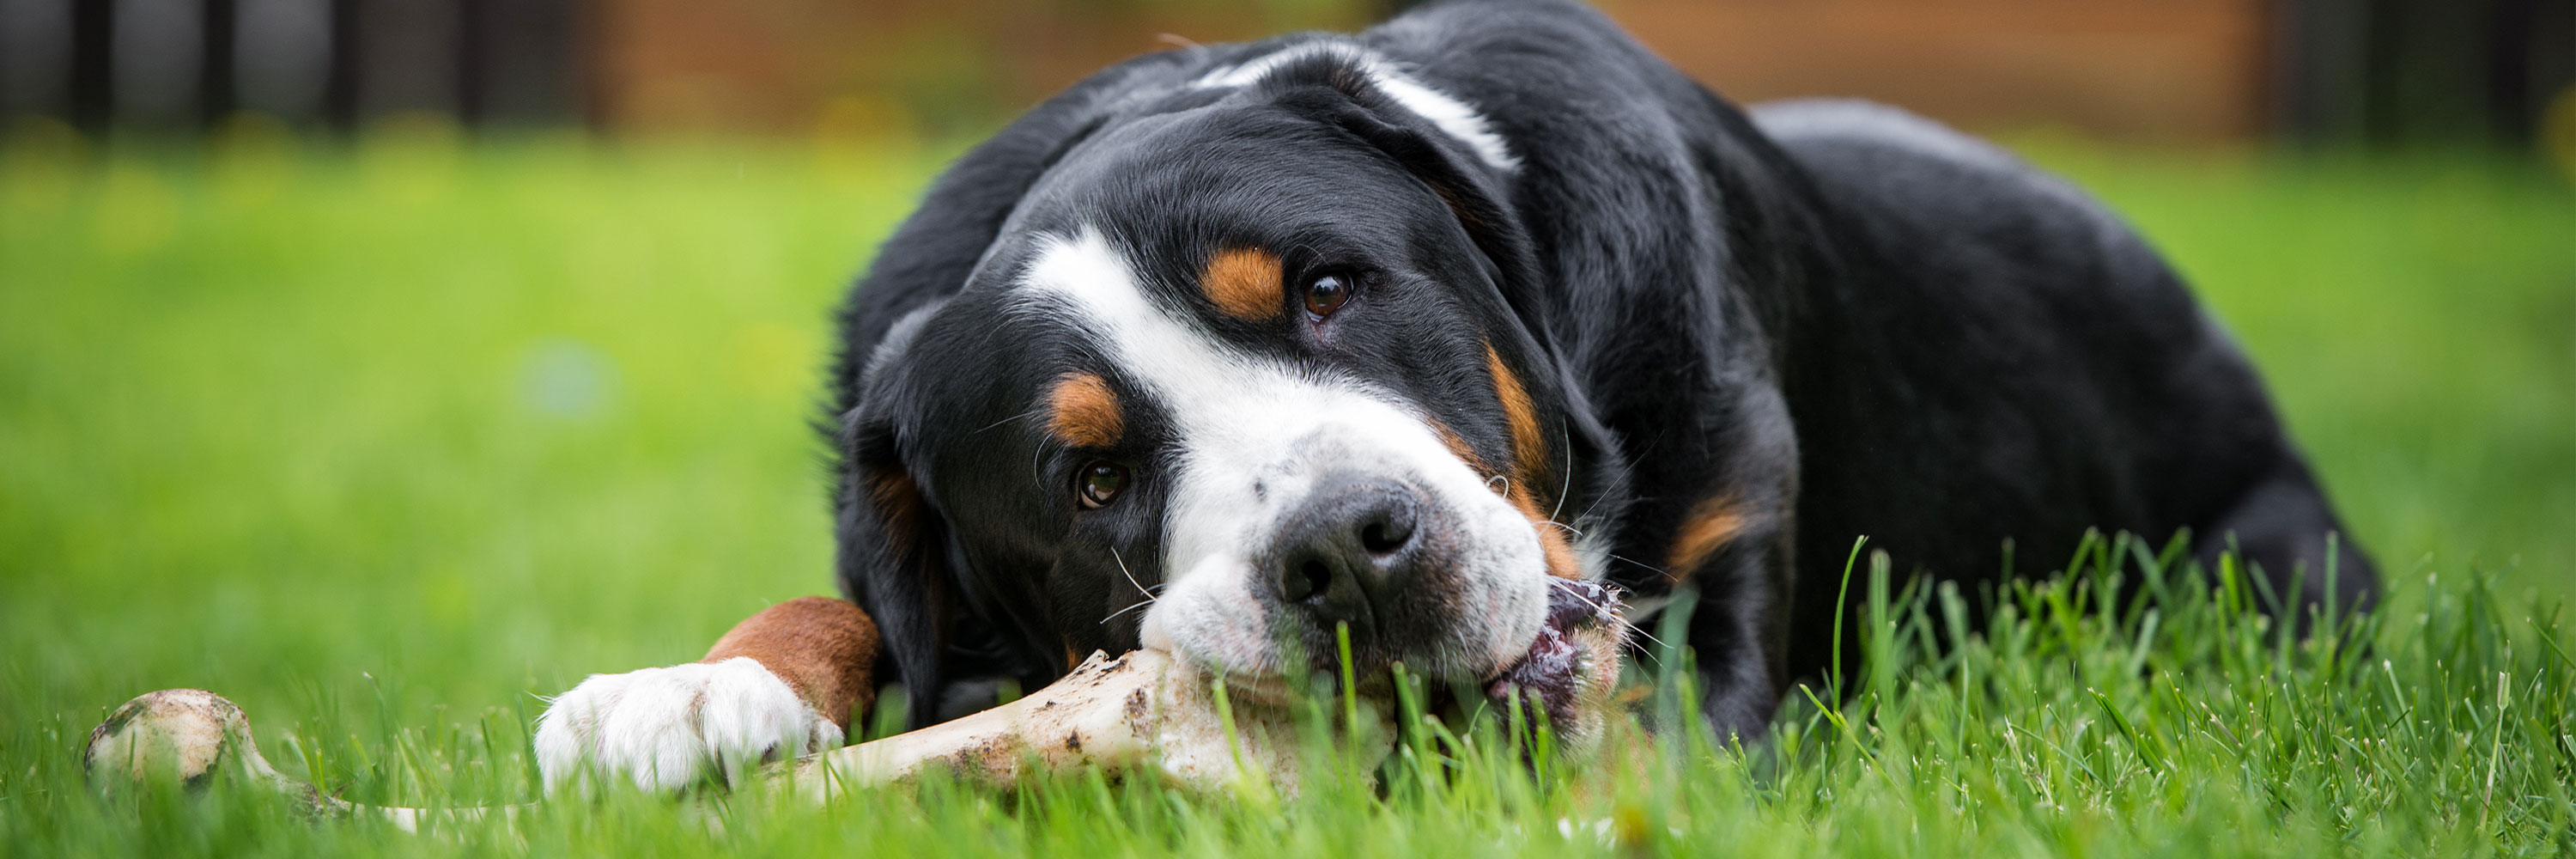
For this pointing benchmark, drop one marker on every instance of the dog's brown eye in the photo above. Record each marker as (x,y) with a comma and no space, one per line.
(1101,483)
(1327,294)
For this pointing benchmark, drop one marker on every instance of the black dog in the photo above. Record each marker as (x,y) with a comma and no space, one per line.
(1227,347)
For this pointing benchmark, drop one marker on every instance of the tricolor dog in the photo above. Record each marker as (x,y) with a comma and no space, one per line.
(1229,347)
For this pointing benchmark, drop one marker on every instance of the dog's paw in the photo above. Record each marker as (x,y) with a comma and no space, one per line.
(667,728)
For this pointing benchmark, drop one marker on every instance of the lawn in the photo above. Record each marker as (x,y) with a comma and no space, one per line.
(384,441)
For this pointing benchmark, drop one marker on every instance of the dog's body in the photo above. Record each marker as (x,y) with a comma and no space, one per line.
(1382,331)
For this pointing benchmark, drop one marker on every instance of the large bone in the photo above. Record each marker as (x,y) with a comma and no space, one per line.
(1126,714)
(1149,709)
(1141,712)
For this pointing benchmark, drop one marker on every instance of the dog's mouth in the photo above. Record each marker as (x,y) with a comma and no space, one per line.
(1577,641)
(1576,651)
(1582,617)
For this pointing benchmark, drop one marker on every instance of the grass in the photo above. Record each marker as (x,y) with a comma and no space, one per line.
(383,442)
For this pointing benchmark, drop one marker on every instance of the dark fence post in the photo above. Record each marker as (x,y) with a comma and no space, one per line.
(215,96)
(93,64)
(2405,72)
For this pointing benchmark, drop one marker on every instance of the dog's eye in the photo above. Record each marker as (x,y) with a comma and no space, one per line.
(1327,293)
(1100,483)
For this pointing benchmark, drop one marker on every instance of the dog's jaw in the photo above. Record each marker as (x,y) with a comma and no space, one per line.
(1569,669)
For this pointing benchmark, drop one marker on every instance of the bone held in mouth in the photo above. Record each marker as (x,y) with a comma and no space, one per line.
(1143,712)
(1149,712)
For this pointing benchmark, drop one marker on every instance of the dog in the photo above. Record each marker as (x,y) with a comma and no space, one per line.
(1233,350)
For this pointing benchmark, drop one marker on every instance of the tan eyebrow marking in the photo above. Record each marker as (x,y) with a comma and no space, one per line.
(1083,412)
(1244,283)
(1709,526)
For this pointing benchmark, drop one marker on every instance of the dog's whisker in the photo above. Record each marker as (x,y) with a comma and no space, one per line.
(1620,618)
(1568,471)
(1641,632)
(1029,413)
(1114,615)
(1667,574)
(1150,593)
(1131,577)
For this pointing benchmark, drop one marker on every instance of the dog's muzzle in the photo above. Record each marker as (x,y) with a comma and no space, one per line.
(1354,553)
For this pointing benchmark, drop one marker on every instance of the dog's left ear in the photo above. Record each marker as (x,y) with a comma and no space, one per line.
(892,542)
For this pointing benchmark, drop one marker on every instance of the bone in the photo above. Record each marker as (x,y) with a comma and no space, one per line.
(1141,713)
(1147,709)
(1144,711)
(191,736)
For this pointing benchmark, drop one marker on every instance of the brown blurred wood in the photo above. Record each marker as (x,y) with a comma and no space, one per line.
(2383,71)
(2139,69)
(778,65)
(2134,69)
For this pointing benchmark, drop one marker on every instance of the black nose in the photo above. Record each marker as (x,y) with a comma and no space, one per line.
(1347,551)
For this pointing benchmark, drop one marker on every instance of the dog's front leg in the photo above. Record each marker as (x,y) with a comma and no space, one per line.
(781,684)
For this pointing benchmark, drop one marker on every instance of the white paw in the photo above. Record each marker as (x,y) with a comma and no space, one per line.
(666,728)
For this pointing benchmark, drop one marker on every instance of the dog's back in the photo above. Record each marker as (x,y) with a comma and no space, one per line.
(2047,371)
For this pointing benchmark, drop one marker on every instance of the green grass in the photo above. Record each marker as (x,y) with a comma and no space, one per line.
(383,443)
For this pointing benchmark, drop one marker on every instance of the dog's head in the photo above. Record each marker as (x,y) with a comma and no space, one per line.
(1246,363)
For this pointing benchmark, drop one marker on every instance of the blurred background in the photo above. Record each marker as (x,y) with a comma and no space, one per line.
(2157,70)
(2380,72)
(363,359)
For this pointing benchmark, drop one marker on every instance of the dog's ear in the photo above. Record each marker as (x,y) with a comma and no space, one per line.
(932,252)
(890,541)
(1348,97)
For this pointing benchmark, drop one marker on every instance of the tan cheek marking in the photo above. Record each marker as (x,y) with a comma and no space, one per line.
(1529,448)
(1458,447)
(1244,284)
(1083,412)
(1709,526)
(826,649)
(1561,561)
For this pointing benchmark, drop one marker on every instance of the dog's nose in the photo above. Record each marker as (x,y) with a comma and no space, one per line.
(1347,551)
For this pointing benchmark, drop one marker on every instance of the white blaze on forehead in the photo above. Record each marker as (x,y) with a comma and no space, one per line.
(1454,117)
(1249,435)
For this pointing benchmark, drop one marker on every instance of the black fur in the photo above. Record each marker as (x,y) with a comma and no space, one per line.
(1842,328)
